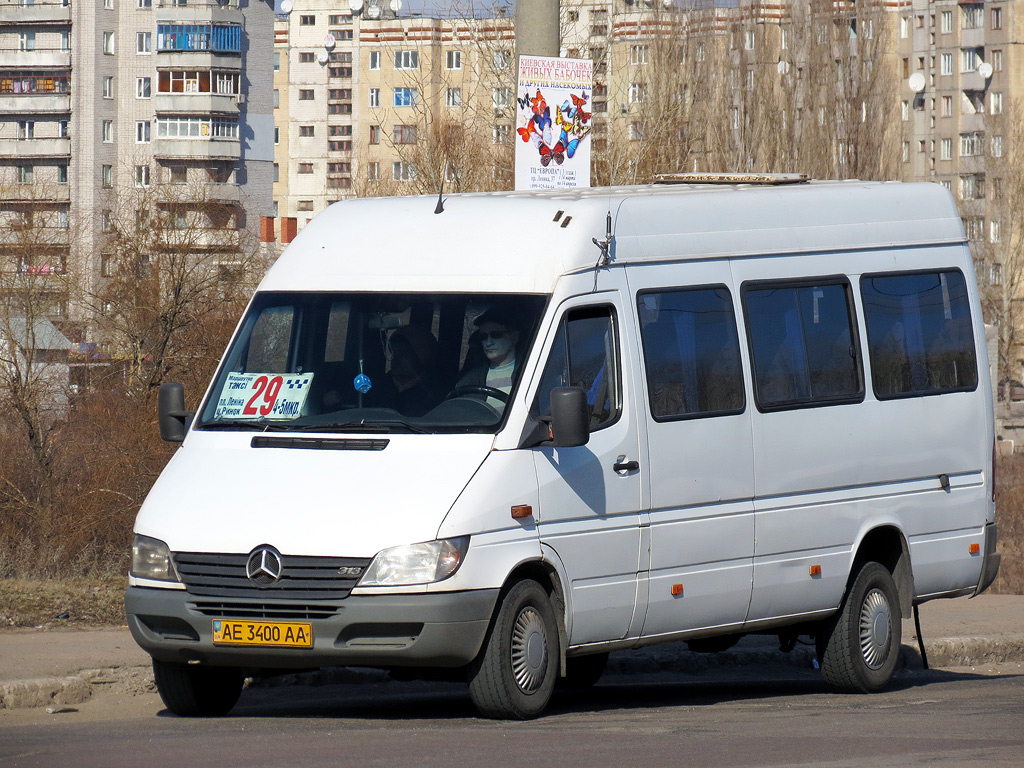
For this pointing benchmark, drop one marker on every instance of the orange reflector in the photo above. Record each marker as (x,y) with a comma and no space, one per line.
(677,589)
(522,510)
(975,549)
(815,570)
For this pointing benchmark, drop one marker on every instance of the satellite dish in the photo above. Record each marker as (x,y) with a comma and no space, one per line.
(396,6)
(783,67)
(355,5)
(985,70)
(916,82)
(373,11)
(286,6)
(329,41)
(322,57)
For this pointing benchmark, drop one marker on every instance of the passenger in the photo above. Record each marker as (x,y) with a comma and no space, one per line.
(413,353)
(498,337)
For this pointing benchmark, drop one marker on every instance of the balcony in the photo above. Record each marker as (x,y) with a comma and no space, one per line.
(198,60)
(195,238)
(41,12)
(33,148)
(35,59)
(198,149)
(35,104)
(196,103)
(198,11)
(36,193)
(229,194)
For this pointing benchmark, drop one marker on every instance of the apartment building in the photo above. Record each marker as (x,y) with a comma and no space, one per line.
(110,109)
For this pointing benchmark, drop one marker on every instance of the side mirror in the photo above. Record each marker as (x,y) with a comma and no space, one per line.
(174,419)
(570,417)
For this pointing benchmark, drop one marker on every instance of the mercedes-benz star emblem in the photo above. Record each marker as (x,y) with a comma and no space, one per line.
(263,566)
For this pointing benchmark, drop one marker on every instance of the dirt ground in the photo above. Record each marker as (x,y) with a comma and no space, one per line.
(46,604)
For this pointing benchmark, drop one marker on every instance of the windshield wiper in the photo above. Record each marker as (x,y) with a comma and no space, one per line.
(252,426)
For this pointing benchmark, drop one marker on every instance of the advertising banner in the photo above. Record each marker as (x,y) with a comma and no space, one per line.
(553,123)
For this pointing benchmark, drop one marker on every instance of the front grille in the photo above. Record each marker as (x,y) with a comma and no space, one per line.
(278,611)
(302,578)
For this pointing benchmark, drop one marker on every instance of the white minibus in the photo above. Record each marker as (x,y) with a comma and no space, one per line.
(499,436)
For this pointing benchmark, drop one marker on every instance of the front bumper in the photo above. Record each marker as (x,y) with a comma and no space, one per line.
(439,629)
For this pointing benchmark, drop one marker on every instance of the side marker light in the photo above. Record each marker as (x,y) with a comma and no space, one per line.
(815,570)
(520,511)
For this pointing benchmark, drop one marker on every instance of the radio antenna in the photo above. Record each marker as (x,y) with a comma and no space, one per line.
(439,208)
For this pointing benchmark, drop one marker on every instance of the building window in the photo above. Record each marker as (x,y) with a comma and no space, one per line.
(972,16)
(339,109)
(65,41)
(749,39)
(62,174)
(375,134)
(502,60)
(374,59)
(373,171)
(405,97)
(997,23)
(108,131)
(453,97)
(306,131)
(277,134)
(905,110)
(453,60)
(946,67)
(304,205)
(638,54)
(306,94)
(972,186)
(995,236)
(636,92)
(406,60)
(307,21)
(374,98)
(142,175)
(970,58)
(997,61)
(277,61)
(946,149)
(108,43)
(997,146)
(305,168)
(145,4)
(997,103)
(27,41)
(306,57)
(501,133)
(143,87)
(26,174)
(107,176)
(502,97)
(144,42)
(105,264)
(403,171)
(108,87)
(143,131)
(947,106)
(404,134)
(26,129)
(970,144)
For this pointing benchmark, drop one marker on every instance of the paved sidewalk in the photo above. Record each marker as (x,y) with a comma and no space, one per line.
(56,666)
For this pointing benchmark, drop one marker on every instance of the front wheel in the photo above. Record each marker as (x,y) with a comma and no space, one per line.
(514,675)
(197,691)
(860,646)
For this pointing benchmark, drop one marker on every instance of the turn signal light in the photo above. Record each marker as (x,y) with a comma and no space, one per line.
(815,570)
(974,549)
(677,589)
(521,510)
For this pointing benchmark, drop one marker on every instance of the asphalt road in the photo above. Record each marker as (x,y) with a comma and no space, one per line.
(754,717)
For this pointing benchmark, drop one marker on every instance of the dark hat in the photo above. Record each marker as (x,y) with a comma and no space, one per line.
(503,316)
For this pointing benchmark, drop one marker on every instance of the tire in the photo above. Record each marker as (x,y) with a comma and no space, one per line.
(515,673)
(860,646)
(583,671)
(197,691)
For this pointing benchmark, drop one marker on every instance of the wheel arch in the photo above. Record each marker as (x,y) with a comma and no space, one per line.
(545,574)
(886,544)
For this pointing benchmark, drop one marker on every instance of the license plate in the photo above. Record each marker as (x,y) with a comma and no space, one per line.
(266,633)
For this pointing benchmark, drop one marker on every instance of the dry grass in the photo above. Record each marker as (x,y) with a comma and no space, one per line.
(30,603)
(1010,517)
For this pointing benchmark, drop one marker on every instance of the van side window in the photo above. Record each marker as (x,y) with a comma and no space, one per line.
(920,336)
(802,343)
(691,352)
(585,354)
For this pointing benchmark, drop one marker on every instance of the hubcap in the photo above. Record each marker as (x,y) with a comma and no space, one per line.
(875,621)
(529,650)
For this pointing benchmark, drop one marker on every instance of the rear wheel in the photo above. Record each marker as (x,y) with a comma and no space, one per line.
(197,691)
(860,646)
(515,673)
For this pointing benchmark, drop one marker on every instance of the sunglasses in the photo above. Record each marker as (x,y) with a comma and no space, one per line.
(492,335)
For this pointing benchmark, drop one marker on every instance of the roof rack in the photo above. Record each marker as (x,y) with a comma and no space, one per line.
(731,178)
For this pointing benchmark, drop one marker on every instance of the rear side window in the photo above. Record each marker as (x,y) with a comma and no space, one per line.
(691,353)
(920,335)
(802,343)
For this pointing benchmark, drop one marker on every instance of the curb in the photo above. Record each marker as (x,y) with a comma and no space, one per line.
(58,692)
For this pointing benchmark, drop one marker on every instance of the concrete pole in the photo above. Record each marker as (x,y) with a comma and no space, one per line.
(537,32)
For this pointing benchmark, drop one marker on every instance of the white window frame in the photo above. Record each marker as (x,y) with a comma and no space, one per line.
(142,176)
(374,98)
(108,131)
(143,132)
(453,98)
(109,44)
(407,59)
(374,60)
(453,60)
(144,43)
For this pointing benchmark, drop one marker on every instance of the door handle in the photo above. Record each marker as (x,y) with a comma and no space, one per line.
(621,465)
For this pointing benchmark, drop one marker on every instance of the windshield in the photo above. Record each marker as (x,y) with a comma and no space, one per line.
(374,362)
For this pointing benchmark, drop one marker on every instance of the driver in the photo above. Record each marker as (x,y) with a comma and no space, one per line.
(498,336)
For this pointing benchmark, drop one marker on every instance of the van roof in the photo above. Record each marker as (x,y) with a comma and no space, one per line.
(522,242)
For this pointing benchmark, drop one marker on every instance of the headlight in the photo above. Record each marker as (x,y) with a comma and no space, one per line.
(416,563)
(151,559)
